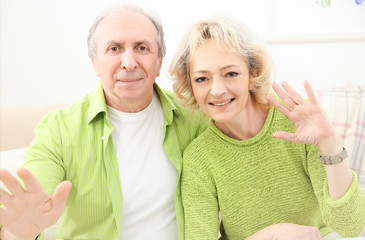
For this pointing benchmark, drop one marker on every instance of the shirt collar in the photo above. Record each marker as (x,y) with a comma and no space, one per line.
(98,105)
(168,106)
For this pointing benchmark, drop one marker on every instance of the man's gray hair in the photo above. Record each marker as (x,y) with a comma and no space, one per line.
(154,18)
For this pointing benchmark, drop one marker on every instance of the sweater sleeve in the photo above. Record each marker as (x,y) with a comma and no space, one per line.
(346,216)
(199,198)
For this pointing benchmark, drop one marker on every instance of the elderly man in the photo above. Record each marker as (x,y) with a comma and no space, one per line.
(110,164)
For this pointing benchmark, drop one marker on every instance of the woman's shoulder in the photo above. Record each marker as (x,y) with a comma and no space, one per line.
(201,146)
(281,122)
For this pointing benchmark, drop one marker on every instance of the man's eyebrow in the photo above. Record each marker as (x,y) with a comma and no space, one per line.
(137,43)
(149,43)
(112,42)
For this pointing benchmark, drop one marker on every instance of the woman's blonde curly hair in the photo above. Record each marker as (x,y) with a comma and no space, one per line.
(230,35)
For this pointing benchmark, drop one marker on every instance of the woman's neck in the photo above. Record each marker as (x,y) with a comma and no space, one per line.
(247,124)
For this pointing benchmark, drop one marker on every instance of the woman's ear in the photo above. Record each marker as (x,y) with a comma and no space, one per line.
(251,87)
(255,73)
(251,83)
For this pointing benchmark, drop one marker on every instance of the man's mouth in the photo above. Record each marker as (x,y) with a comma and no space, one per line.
(129,79)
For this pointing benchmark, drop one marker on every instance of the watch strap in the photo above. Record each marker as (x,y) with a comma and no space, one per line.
(329,160)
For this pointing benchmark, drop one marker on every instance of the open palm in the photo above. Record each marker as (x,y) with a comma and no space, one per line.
(312,126)
(28,211)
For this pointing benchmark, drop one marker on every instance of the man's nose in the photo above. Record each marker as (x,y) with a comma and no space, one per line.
(218,87)
(128,61)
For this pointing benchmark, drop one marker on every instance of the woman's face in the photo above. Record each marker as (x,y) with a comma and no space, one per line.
(220,82)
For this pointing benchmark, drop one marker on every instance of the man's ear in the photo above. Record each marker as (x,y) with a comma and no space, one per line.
(159,67)
(95,65)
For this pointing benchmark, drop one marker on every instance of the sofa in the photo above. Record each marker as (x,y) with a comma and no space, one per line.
(344,106)
(16,133)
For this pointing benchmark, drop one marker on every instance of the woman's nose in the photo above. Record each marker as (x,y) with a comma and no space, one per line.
(218,87)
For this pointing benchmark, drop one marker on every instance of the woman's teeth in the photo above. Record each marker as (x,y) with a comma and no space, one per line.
(222,104)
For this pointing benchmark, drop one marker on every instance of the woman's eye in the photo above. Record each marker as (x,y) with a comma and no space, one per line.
(200,79)
(232,74)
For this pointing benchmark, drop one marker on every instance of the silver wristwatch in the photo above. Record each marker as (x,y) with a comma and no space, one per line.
(329,160)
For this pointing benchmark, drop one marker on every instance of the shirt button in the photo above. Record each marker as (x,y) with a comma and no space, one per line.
(103,138)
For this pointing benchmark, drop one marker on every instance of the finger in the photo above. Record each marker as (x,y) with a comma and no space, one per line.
(60,196)
(297,98)
(284,136)
(11,182)
(30,181)
(276,104)
(2,216)
(317,233)
(5,197)
(283,95)
(310,93)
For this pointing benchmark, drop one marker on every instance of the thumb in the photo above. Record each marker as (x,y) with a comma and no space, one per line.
(58,201)
(60,195)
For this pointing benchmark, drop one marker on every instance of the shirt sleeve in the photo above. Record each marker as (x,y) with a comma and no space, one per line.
(346,216)
(44,156)
(199,197)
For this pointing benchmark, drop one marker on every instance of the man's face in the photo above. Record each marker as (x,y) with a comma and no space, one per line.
(127,60)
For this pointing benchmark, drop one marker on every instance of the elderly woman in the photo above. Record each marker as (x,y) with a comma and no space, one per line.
(272,169)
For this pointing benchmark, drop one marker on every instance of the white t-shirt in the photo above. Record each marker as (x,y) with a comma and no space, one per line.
(148,178)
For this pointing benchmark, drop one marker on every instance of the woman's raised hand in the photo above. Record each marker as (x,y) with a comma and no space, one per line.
(312,125)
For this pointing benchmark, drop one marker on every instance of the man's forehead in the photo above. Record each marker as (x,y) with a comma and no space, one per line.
(125,24)
(127,19)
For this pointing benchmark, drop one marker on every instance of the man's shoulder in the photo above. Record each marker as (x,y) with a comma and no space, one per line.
(77,110)
(171,104)
(169,93)
(167,97)
(175,104)
(180,119)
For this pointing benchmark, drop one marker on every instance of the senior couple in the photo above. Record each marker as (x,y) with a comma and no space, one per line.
(226,157)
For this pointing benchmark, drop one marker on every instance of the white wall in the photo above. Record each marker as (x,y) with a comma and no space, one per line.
(43,51)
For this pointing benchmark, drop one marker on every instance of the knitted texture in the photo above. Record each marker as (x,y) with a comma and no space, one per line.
(259,182)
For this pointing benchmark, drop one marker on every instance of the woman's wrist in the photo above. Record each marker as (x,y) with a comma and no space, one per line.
(331,145)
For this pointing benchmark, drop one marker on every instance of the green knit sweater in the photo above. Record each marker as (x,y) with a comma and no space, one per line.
(259,182)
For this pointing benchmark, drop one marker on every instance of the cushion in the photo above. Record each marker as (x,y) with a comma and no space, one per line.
(345,108)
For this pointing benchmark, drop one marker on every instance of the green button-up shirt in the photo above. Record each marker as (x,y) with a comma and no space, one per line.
(76,144)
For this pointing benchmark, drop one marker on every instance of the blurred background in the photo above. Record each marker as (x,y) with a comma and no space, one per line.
(43,50)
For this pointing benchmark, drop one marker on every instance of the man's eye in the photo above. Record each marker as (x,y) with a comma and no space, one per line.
(114,49)
(232,74)
(142,48)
